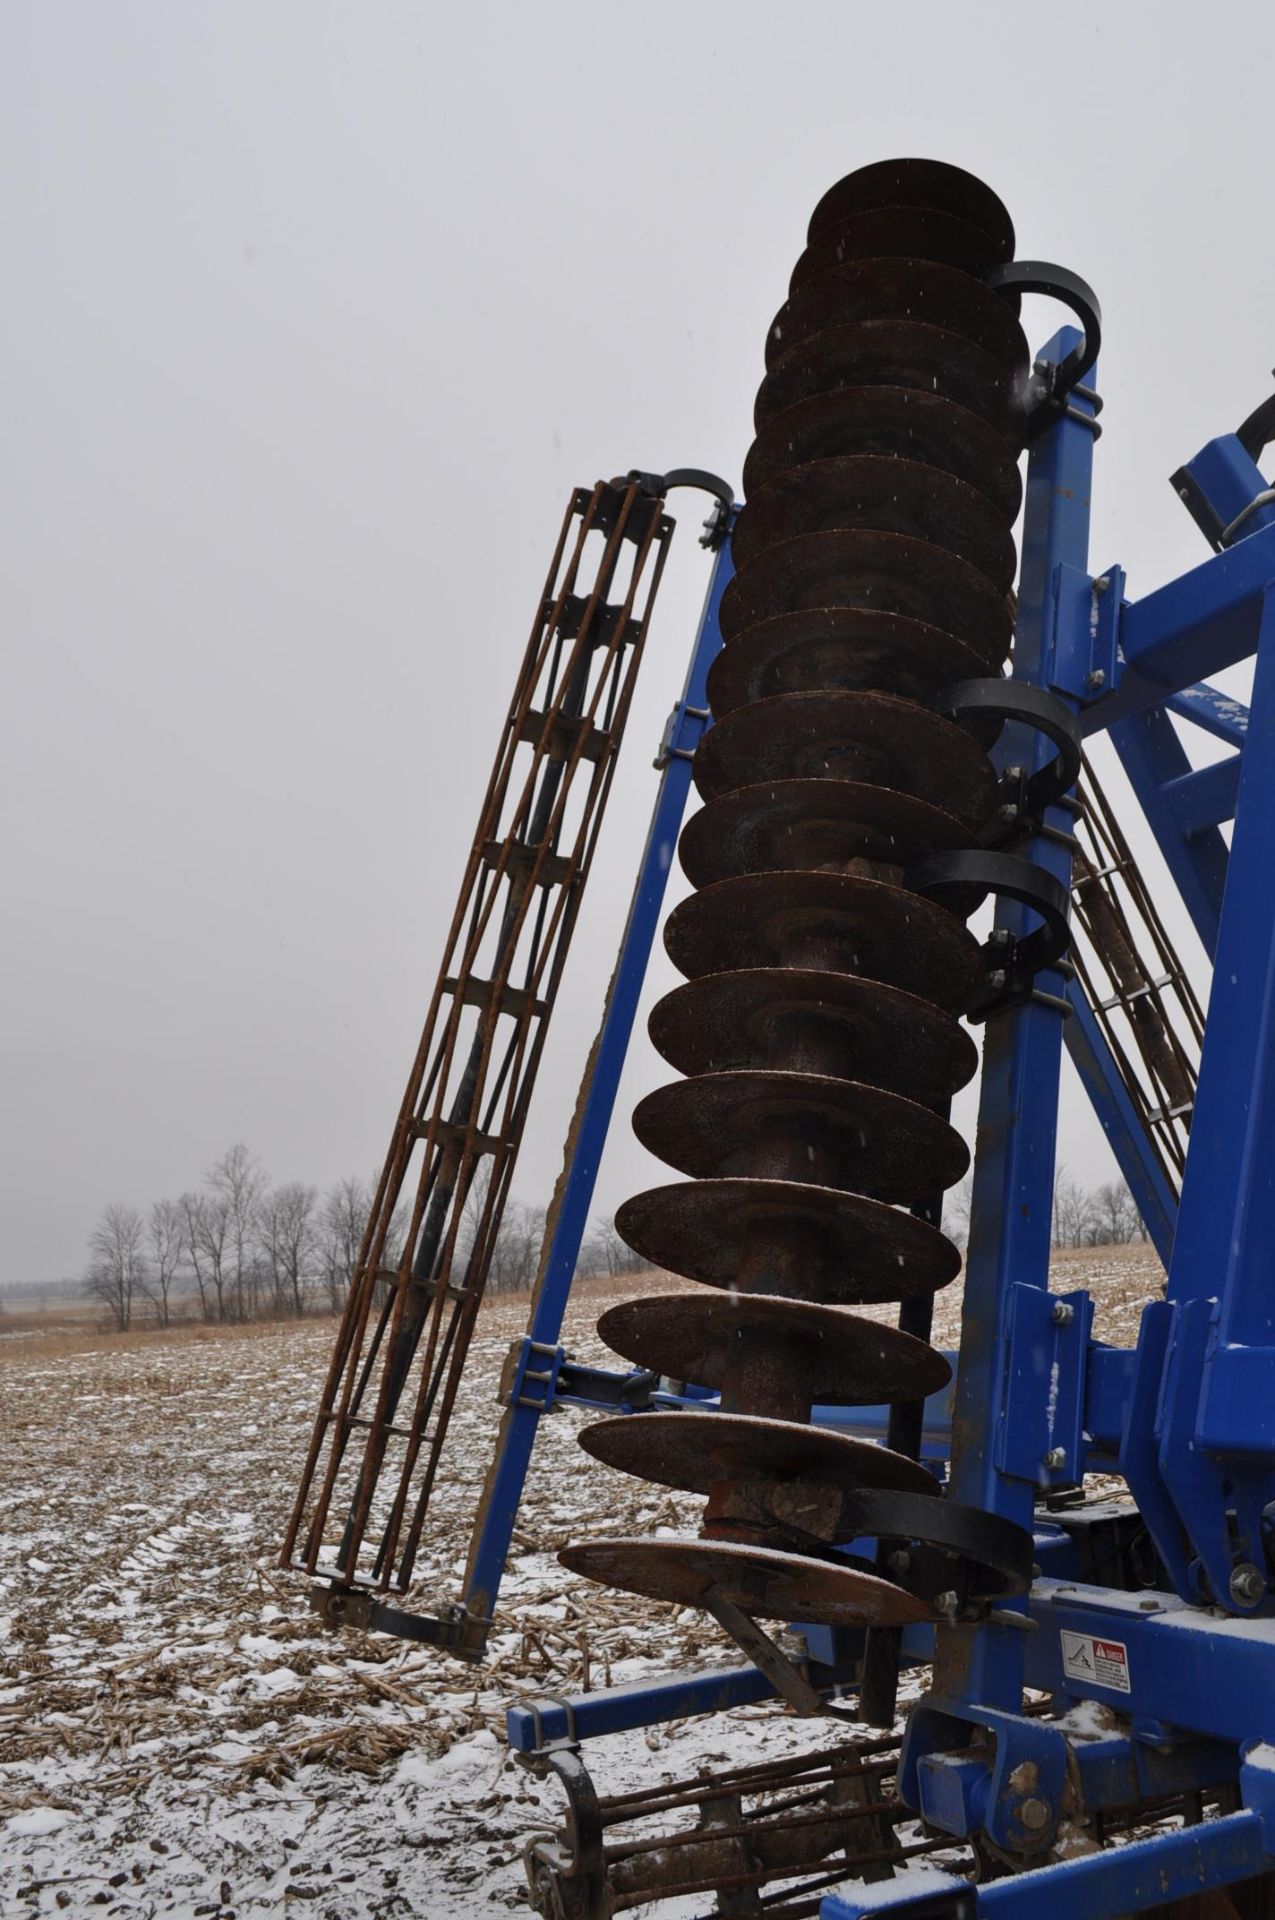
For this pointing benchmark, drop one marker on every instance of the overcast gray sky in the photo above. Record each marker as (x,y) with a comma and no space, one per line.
(312,316)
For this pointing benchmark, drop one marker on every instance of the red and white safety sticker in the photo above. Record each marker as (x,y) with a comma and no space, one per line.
(1103,1663)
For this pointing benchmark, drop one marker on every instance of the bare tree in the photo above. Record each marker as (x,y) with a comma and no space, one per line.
(342,1220)
(396,1235)
(1115,1217)
(606,1249)
(238,1181)
(205,1231)
(517,1250)
(166,1250)
(116,1262)
(1073,1211)
(471,1213)
(1057,1234)
(289,1245)
(605,1252)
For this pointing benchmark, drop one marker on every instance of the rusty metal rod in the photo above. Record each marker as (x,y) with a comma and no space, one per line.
(881,1856)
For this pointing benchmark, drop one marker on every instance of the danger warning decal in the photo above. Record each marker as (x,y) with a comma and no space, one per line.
(1103,1663)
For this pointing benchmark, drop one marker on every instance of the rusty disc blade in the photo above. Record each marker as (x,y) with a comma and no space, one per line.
(885,494)
(837,1248)
(833,921)
(914,182)
(772,1125)
(764,1582)
(692,1450)
(895,353)
(830,824)
(870,738)
(914,233)
(885,572)
(766,1016)
(898,422)
(901,289)
(850,1362)
(842,649)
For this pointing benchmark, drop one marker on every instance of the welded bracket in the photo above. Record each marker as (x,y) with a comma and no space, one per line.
(538,1374)
(971,1769)
(1085,654)
(1199,1452)
(1040,1436)
(530,1374)
(1224,491)
(683,731)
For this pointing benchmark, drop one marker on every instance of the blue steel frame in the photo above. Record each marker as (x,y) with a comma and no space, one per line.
(1188,1417)
(1190,1673)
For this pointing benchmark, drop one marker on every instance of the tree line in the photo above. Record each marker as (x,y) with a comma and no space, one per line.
(1101,1216)
(239,1249)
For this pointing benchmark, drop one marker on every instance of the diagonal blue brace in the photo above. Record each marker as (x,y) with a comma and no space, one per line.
(573,1201)
(1212,712)
(1134,1153)
(1205,797)
(1154,758)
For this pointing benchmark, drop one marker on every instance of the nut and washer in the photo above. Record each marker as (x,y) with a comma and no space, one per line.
(1248,1584)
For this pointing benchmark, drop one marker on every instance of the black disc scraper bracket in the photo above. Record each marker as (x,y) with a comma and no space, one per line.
(1048,396)
(958,1559)
(1012,963)
(1022,797)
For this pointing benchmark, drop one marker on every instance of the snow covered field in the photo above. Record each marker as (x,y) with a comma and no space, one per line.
(177,1737)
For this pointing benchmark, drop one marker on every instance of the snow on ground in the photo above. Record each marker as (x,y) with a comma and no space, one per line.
(179,1737)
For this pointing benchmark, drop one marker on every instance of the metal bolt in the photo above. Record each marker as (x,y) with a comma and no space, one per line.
(1034,1814)
(1056,1457)
(945,1602)
(1248,1583)
(1062,1313)
(899,1561)
(1096,679)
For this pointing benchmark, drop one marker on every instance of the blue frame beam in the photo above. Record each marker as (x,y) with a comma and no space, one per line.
(1117,1116)
(1205,797)
(1101,1886)
(587,1716)
(1153,758)
(1190,630)
(1212,712)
